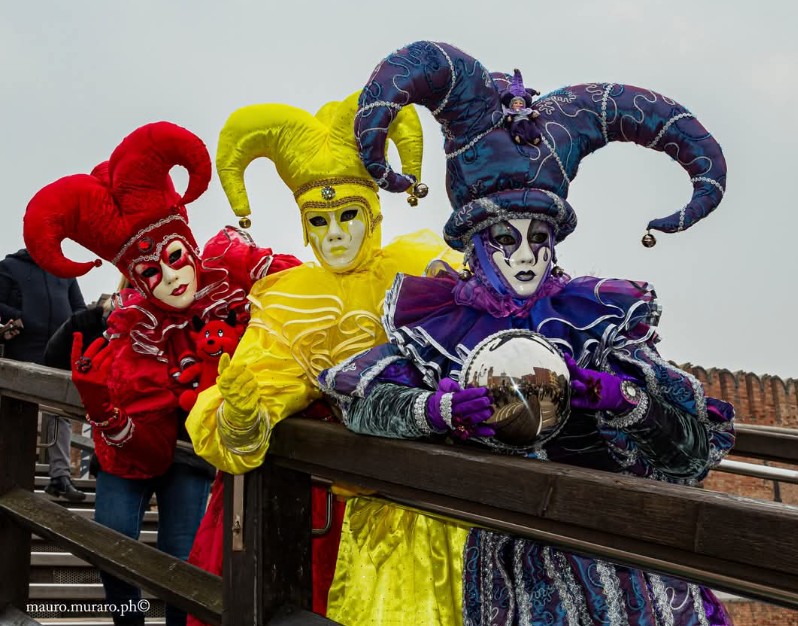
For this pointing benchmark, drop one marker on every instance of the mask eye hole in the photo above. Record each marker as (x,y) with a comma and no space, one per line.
(317,221)
(503,234)
(538,237)
(175,256)
(149,272)
(505,239)
(348,215)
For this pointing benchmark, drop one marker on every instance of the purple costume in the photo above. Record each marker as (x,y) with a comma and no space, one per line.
(608,326)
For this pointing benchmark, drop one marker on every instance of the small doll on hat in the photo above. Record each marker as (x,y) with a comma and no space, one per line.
(128,212)
(519,116)
(628,410)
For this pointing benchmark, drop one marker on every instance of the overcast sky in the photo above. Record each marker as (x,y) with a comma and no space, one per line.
(76,77)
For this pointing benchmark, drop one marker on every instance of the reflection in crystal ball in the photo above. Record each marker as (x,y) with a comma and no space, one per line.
(528,381)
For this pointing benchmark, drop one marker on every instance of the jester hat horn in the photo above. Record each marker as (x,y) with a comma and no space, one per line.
(491,178)
(125,207)
(315,156)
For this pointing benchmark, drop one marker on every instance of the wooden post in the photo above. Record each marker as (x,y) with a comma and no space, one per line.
(273,571)
(18,466)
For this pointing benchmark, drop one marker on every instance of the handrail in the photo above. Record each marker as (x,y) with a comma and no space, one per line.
(28,381)
(735,544)
(23,388)
(770,443)
(765,472)
(171,579)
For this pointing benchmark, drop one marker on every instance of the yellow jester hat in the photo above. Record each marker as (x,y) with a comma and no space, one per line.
(317,157)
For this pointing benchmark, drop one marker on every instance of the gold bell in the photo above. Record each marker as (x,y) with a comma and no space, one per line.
(420,190)
(412,200)
(648,240)
(245,222)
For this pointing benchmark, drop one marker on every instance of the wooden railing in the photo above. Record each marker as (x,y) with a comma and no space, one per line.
(744,546)
(23,387)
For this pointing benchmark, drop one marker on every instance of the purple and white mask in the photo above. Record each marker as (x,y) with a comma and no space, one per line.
(520,253)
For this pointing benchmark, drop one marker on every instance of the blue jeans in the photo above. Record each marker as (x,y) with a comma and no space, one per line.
(182,494)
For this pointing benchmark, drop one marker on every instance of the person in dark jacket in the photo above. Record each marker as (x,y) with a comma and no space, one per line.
(42,302)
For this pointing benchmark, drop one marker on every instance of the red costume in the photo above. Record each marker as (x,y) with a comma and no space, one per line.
(128,212)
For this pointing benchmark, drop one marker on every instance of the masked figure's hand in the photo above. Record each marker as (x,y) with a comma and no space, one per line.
(90,377)
(461,411)
(240,392)
(596,391)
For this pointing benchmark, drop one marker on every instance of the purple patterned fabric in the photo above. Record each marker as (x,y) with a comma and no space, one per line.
(509,581)
(490,177)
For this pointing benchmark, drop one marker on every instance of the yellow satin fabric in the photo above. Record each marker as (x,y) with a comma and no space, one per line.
(304,320)
(309,150)
(397,567)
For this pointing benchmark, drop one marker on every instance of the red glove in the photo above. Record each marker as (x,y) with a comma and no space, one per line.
(90,376)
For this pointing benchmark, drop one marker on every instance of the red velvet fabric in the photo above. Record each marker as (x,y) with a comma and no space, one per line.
(147,342)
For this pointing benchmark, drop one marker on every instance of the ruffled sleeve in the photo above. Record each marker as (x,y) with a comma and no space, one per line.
(283,386)
(235,251)
(140,386)
(676,433)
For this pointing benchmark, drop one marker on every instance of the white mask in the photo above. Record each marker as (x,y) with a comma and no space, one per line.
(336,236)
(172,279)
(521,252)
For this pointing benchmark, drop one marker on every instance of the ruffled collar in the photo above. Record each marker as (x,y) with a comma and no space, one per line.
(473,292)
(149,327)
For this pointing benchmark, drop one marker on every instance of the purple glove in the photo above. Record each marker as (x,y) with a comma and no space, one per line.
(459,410)
(596,391)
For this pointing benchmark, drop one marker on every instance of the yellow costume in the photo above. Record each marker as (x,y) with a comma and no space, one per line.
(311,317)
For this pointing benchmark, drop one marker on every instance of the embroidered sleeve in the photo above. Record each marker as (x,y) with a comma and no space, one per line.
(676,433)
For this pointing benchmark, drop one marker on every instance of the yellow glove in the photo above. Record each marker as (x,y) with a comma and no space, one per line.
(240,392)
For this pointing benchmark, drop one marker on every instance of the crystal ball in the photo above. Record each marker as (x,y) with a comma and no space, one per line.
(529,384)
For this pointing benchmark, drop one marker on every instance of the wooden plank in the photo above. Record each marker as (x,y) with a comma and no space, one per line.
(286,539)
(242,568)
(11,616)
(273,571)
(612,509)
(166,577)
(294,617)
(767,442)
(54,387)
(18,458)
(48,386)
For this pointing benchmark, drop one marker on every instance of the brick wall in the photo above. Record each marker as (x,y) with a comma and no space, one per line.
(765,400)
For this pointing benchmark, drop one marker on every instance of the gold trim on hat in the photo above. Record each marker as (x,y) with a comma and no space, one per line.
(343,180)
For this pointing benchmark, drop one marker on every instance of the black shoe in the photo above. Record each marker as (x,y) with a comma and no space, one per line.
(62,487)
